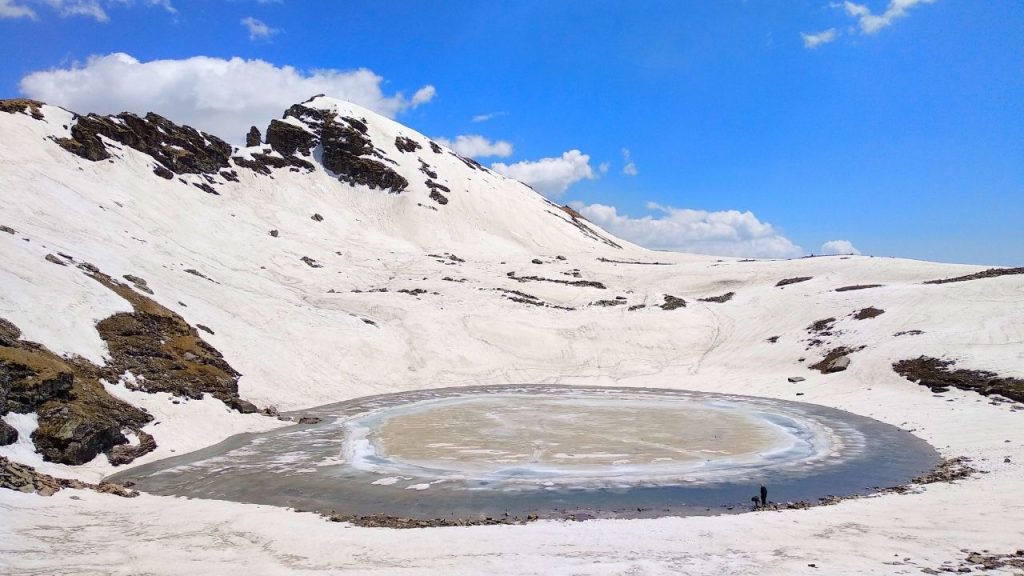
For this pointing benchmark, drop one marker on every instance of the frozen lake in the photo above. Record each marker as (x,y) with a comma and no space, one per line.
(550,451)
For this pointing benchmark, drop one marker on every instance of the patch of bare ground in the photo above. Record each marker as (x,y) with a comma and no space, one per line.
(22,478)
(383,521)
(868,313)
(990,273)
(672,303)
(719,299)
(796,280)
(941,375)
(524,298)
(857,287)
(22,106)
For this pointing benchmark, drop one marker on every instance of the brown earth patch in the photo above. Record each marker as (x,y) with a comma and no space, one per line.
(796,280)
(868,313)
(941,375)
(990,273)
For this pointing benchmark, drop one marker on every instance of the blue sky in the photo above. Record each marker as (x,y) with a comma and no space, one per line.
(753,127)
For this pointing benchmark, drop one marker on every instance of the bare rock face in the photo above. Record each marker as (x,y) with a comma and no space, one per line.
(22,106)
(8,435)
(180,149)
(347,150)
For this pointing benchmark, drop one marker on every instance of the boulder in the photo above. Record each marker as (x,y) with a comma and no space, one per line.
(253,138)
(795,379)
(8,435)
(838,364)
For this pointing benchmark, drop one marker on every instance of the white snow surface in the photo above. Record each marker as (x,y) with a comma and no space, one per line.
(300,338)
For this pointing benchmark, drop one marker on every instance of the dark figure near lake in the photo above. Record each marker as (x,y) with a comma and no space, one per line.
(764,496)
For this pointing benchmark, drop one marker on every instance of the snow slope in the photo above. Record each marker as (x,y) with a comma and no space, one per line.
(302,336)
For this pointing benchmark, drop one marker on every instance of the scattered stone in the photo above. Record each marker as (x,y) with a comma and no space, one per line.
(274,233)
(909,333)
(537,261)
(309,420)
(7,229)
(868,313)
(773,339)
(608,303)
(582,283)
(788,281)
(438,197)
(125,453)
(204,329)
(795,379)
(316,217)
(836,360)
(163,172)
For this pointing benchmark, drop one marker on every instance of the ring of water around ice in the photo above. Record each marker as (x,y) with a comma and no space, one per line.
(623,452)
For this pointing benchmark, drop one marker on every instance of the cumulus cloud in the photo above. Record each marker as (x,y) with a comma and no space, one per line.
(871,23)
(8,9)
(550,176)
(628,167)
(833,247)
(721,233)
(814,40)
(476,146)
(258,30)
(423,95)
(223,97)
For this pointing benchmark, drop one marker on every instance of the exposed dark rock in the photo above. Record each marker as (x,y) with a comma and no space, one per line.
(406,144)
(54,260)
(788,281)
(126,453)
(253,138)
(823,327)
(582,283)
(909,333)
(795,379)
(608,303)
(274,233)
(243,406)
(524,298)
(309,420)
(536,261)
(180,149)
(438,197)
(990,273)
(204,329)
(32,108)
(719,299)
(773,339)
(346,149)
(229,175)
(311,262)
(163,172)
(435,147)
(139,283)
(317,218)
(22,478)
(612,261)
(672,303)
(195,272)
(636,307)
(206,188)
(425,168)
(413,292)
(836,360)
(7,229)
(858,287)
(577,220)
(8,435)
(936,374)
(868,313)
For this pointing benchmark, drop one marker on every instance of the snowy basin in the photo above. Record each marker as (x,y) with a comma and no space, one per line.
(550,451)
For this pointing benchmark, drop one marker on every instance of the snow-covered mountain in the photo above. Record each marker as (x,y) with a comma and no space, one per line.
(159,288)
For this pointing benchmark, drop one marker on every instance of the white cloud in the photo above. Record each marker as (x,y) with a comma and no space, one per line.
(488,116)
(722,233)
(550,176)
(476,146)
(814,40)
(90,8)
(8,9)
(423,95)
(258,30)
(833,247)
(223,97)
(871,23)
(629,167)
(604,167)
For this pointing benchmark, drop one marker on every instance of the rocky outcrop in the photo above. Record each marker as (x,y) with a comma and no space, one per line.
(22,478)
(406,144)
(8,435)
(32,108)
(253,138)
(180,149)
(347,150)
(673,302)
(990,273)
(788,281)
